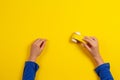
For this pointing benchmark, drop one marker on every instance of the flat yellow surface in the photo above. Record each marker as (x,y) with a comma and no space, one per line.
(22,21)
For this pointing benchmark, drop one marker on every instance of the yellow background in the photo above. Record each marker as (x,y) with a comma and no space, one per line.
(22,21)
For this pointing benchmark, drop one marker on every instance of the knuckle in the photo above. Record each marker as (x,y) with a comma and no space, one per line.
(95,46)
(34,44)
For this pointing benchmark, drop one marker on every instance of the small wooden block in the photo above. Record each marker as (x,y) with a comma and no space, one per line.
(77,37)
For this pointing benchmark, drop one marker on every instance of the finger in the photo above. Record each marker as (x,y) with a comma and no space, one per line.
(88,40)
(37,40)
(91,39)
(43,45)
(86,46)
(94,38)
(39,43)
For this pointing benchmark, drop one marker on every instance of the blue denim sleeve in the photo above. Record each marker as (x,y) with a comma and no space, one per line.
(103,71)
(30,70)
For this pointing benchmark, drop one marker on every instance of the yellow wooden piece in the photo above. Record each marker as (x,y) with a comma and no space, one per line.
(77,37)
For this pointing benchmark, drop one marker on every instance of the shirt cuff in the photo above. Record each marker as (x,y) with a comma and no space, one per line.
(102,67)
(33,64)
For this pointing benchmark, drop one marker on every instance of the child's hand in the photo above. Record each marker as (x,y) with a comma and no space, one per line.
(91,45)
(93,48)
(36,49)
